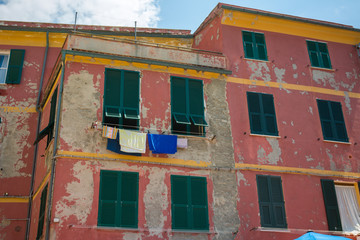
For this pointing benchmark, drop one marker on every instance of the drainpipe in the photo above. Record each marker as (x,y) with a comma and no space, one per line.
(31,192)
(53,162)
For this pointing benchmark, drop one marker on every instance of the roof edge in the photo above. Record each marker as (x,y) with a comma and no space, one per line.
(289,17)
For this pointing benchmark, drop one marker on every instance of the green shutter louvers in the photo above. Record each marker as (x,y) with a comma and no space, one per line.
(271,201)
(187,106)
(254,45)
(15,66)
(319,54)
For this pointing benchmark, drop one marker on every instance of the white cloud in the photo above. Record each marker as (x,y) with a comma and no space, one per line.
(91,12)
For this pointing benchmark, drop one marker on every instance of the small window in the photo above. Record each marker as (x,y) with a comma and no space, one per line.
(49,129)
(332,121)
(118,199)
(340,199)
(271,201)
(189,205)
(262,114)
(42,213)
(187,106)
(11,63)
(121,99)
(319,55)
(254,45)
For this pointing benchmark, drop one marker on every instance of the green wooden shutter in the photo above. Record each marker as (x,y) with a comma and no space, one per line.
(200,220)
(271,202)
(179,101)
(108,198)
(319,55)
(129,199)
(313,53)
(180,202)
(325,119)
(131,94)
(339,123)
(112,88)
(52,116)
(15,66)
(332,121)
(331,205)
(254,112)
(42,213)
(196,102)
(278,204)
(189,203)
(264,201)
(248,44)
(260,46)
(262,113)
(269,114)
(324,55)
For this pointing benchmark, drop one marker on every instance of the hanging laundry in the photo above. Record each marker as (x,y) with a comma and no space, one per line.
(162,143)
(114,146)
(109,132)
(182,143)
(131,141)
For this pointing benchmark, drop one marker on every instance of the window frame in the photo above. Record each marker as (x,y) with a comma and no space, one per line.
(319,54)
(49,129)
(262,115)
(332,121)
(193,123)
(255,46)
(271,204)
(189,204)
(42,209)
(119,201)
(126,117)
(5,67)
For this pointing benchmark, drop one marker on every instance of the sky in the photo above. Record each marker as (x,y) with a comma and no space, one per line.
(170,14)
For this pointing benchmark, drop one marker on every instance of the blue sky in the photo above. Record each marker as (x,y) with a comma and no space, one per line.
(172,14)
(188,14)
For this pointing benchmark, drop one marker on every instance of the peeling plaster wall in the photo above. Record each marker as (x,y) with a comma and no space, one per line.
(78,191)
(300,142)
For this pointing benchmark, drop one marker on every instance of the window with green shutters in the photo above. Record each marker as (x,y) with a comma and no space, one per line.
(49,129)
(121,98)
(42,213)
(118,199)
(189,204)
(331,205)
(332,121)
(262,113)
(254,45)
(11,64)
(187,106)
(271,201)
(319,55)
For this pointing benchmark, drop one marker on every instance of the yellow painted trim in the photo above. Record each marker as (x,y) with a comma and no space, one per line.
(290,27)
(292,87)
(143,66)
(294,170)
(44,181)
(33,39)
(18,109)
(171,161)
(14,199)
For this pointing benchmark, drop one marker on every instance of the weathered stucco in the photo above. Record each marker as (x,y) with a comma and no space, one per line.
(81,101)
(77,199)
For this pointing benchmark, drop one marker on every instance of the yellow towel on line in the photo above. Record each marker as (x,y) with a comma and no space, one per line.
(132,142)
(109,132)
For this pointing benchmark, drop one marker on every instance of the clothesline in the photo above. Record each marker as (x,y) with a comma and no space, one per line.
(134,142)
(147,129)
